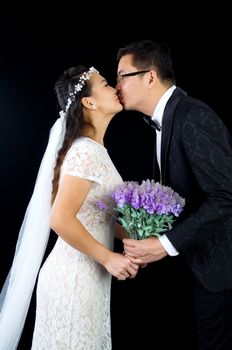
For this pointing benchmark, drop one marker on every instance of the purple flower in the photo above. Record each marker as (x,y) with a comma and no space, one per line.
(102,205)
(146,209)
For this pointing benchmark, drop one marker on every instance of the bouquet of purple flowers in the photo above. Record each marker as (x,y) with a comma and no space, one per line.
(145,209)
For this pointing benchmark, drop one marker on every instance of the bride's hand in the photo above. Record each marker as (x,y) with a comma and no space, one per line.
(121,266)
(134,261)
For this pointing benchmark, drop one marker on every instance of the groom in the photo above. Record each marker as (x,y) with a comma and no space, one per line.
(193,156)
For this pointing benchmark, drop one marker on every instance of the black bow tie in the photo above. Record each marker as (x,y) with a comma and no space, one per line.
(152,123)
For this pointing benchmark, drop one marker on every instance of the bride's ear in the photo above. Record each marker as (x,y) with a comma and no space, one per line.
(87,104)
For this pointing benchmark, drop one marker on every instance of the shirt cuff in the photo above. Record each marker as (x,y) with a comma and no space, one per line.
(168,246)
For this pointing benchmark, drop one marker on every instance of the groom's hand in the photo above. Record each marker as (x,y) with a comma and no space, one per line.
(144,251)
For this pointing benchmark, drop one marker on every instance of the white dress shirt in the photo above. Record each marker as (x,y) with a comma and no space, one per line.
(158,117)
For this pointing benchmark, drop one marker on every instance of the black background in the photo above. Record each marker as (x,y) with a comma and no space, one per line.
(33,53)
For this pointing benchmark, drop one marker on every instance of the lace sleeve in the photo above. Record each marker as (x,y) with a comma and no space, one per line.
(86,160)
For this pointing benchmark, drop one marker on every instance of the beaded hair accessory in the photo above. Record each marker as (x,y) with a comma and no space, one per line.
(78,87)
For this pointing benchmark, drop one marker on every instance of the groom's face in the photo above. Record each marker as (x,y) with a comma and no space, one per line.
(131,83)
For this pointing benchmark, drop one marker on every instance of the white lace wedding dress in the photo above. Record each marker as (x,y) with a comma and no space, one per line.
(73,292)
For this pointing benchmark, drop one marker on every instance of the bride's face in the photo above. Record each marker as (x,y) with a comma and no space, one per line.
(104,96)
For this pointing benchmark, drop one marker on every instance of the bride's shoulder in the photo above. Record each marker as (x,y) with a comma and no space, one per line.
(84,146)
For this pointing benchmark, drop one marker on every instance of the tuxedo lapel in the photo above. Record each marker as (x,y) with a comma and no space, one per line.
(167,125)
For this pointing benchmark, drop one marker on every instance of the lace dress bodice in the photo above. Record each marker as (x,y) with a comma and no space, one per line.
(73,292)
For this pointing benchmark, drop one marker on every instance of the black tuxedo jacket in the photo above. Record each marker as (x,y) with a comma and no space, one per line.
(196,161)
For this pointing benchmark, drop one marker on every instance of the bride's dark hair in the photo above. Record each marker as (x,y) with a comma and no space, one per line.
(74,116)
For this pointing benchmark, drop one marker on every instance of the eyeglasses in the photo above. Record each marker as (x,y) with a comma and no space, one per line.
(120,77)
